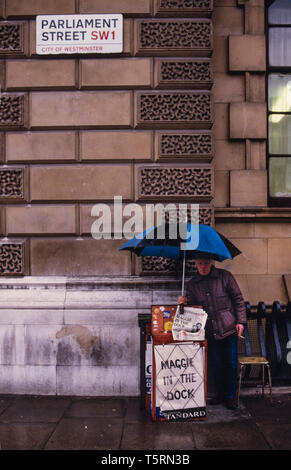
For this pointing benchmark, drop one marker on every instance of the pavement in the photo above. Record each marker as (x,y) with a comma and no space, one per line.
(119,424)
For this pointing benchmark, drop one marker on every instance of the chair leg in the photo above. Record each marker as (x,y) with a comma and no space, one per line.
(263,379)
(270,382)
(239,382)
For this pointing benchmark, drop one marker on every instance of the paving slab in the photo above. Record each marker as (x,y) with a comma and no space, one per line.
(99,407)
(35,409)
(263,410)
(86,434)
(157,436)
(238,435)
(24,436)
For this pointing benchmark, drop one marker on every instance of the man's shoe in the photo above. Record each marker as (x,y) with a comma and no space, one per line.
(216,400)
(231,403)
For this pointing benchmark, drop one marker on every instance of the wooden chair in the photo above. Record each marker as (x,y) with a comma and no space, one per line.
(254,352)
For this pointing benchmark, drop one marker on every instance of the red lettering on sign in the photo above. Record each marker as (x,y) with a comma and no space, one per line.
(95,35)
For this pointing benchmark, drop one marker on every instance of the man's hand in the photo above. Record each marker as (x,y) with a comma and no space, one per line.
(239,329)
(182,300)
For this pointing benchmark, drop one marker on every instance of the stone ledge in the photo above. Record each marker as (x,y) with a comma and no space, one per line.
(252,215)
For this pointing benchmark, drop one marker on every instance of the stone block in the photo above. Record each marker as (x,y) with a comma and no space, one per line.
(228,88)
(32,316)
(229,155)
(273,229)
(87,182)
(13,184)
(32,298)
(40,146)
(221,191)
(279,250)
(80,109)
(105,298)
(220,54)
(116,73)
(126,7)
(287,282)
(183,73)
(91,345)
(180,145)
(2,147)
(254,257)
(14,37)
(2,221)
(247,53)
(228,20)
(171,110)
(26,380)
(41,219)
(98,381)
(221,123)
(82,257)
(255,87)
(34,74)
(248,188)
(191,37)
(40,345)
(184,9)
(119,145)
(18,8)
(267,288)
(124,214)
(247,120)
(236,229)
(14,111)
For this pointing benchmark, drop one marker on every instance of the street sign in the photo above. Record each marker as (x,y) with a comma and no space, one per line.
(79,34)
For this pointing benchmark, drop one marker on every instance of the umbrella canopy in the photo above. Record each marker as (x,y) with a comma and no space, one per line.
(165,241)
(159,241)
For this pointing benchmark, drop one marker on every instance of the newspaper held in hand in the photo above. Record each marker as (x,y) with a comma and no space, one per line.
(190,325)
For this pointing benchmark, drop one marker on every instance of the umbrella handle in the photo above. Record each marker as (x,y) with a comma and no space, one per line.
(183,275)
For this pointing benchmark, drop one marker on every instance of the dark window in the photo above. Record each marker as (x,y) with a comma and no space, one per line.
(279,102)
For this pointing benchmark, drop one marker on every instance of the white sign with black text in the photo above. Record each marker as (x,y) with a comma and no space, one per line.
(180,384)
(79,34)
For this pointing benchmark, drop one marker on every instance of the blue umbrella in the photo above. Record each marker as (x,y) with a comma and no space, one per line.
(195,241)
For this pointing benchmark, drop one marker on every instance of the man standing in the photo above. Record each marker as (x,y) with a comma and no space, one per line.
(218,293)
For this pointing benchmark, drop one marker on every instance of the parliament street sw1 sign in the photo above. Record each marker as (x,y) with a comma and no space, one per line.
(180,385)
(79,34)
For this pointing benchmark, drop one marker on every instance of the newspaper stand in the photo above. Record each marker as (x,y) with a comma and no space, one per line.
(162,320)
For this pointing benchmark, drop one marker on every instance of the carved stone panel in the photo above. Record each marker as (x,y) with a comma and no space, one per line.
(178,37)
(12,184)
(168,182)
(12,258)
(12,111)
(168,110)
(196,146)
(183,73)
(12,38)
(199,8)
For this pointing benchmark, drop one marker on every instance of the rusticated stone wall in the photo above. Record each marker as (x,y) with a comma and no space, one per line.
(240,147)
(80,129)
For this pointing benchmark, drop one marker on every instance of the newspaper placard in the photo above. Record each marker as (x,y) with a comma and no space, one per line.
(189,325)
(180,386)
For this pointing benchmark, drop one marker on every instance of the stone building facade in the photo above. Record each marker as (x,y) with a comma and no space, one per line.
(180,117)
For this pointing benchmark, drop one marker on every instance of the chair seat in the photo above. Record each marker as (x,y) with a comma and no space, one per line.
(252,360)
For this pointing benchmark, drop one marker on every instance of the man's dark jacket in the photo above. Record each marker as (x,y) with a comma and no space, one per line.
(220,296)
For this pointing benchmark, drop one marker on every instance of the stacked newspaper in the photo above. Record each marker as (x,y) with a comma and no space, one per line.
(189,325)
